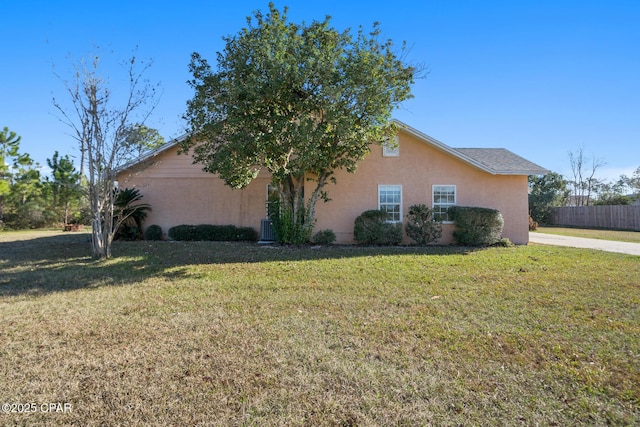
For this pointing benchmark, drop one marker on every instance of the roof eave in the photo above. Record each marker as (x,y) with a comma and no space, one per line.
(523,172)
(463,157)
(151,154)
(443,147)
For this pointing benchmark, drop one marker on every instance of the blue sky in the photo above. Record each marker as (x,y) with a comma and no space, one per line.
(540,78)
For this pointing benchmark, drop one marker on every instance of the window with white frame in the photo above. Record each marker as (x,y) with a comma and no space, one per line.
(444,197)
(391,150)
(390,201)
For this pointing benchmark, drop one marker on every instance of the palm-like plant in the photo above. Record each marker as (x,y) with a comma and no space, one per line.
(128,215)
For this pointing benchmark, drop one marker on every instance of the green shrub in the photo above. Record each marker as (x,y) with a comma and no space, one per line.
(182,232)
(288,229)
(128,232)
(324,237)
(205,232)
(153,232)
(504,243)
(209,232)
(219,233)
(421,227)
(476,226)
(232,233)
(127,205)
(372,228)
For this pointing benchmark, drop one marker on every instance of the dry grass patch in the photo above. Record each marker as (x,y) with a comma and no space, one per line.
(239,334)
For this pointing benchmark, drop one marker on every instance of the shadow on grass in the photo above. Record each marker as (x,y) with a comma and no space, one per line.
(63,263)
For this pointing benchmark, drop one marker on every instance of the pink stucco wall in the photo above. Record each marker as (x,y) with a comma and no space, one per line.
(418,167)
(180,193)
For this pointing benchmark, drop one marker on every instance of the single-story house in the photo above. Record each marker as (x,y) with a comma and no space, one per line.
(421,170)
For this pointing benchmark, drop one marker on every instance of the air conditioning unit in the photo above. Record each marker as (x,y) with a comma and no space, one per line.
(266,232)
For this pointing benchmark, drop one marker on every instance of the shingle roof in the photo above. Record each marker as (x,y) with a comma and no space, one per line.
(153,153)
(496,161)
(502,161)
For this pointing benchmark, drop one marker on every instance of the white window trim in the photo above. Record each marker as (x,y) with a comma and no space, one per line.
(391,152)
(391,185)
(433,197)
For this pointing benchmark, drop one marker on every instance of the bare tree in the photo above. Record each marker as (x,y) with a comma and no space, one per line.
(100,129)
(632,182)
(584,183)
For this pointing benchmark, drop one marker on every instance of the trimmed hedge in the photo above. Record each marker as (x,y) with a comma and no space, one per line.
(324,237)
(212,233)
(372,228)
(476,226)
(421,227)
(153,232)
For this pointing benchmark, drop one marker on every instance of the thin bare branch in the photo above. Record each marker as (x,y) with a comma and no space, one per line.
(99,128)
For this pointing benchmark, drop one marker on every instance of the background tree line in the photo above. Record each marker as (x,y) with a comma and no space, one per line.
(30,199)
(582,188)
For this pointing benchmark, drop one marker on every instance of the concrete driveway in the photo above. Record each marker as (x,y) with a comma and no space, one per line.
(580,242)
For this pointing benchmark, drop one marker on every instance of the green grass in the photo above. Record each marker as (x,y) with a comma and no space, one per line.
(171,333)
(619,236)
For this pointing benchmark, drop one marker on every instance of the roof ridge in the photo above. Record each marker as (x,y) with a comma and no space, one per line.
(519,166)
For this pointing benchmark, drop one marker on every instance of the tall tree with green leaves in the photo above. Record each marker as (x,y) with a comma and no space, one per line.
(66,190)
(139,139)
(26,202)
(545,192)
(10,160)
(301,101)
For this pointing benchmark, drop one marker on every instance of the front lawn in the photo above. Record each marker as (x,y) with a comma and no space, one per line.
(172,333)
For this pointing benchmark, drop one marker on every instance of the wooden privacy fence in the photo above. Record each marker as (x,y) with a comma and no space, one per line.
(609,217)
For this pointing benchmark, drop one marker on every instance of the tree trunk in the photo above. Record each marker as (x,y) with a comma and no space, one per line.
(298,202)
(317,192)
(303,210)
(101,195)
(97,232)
